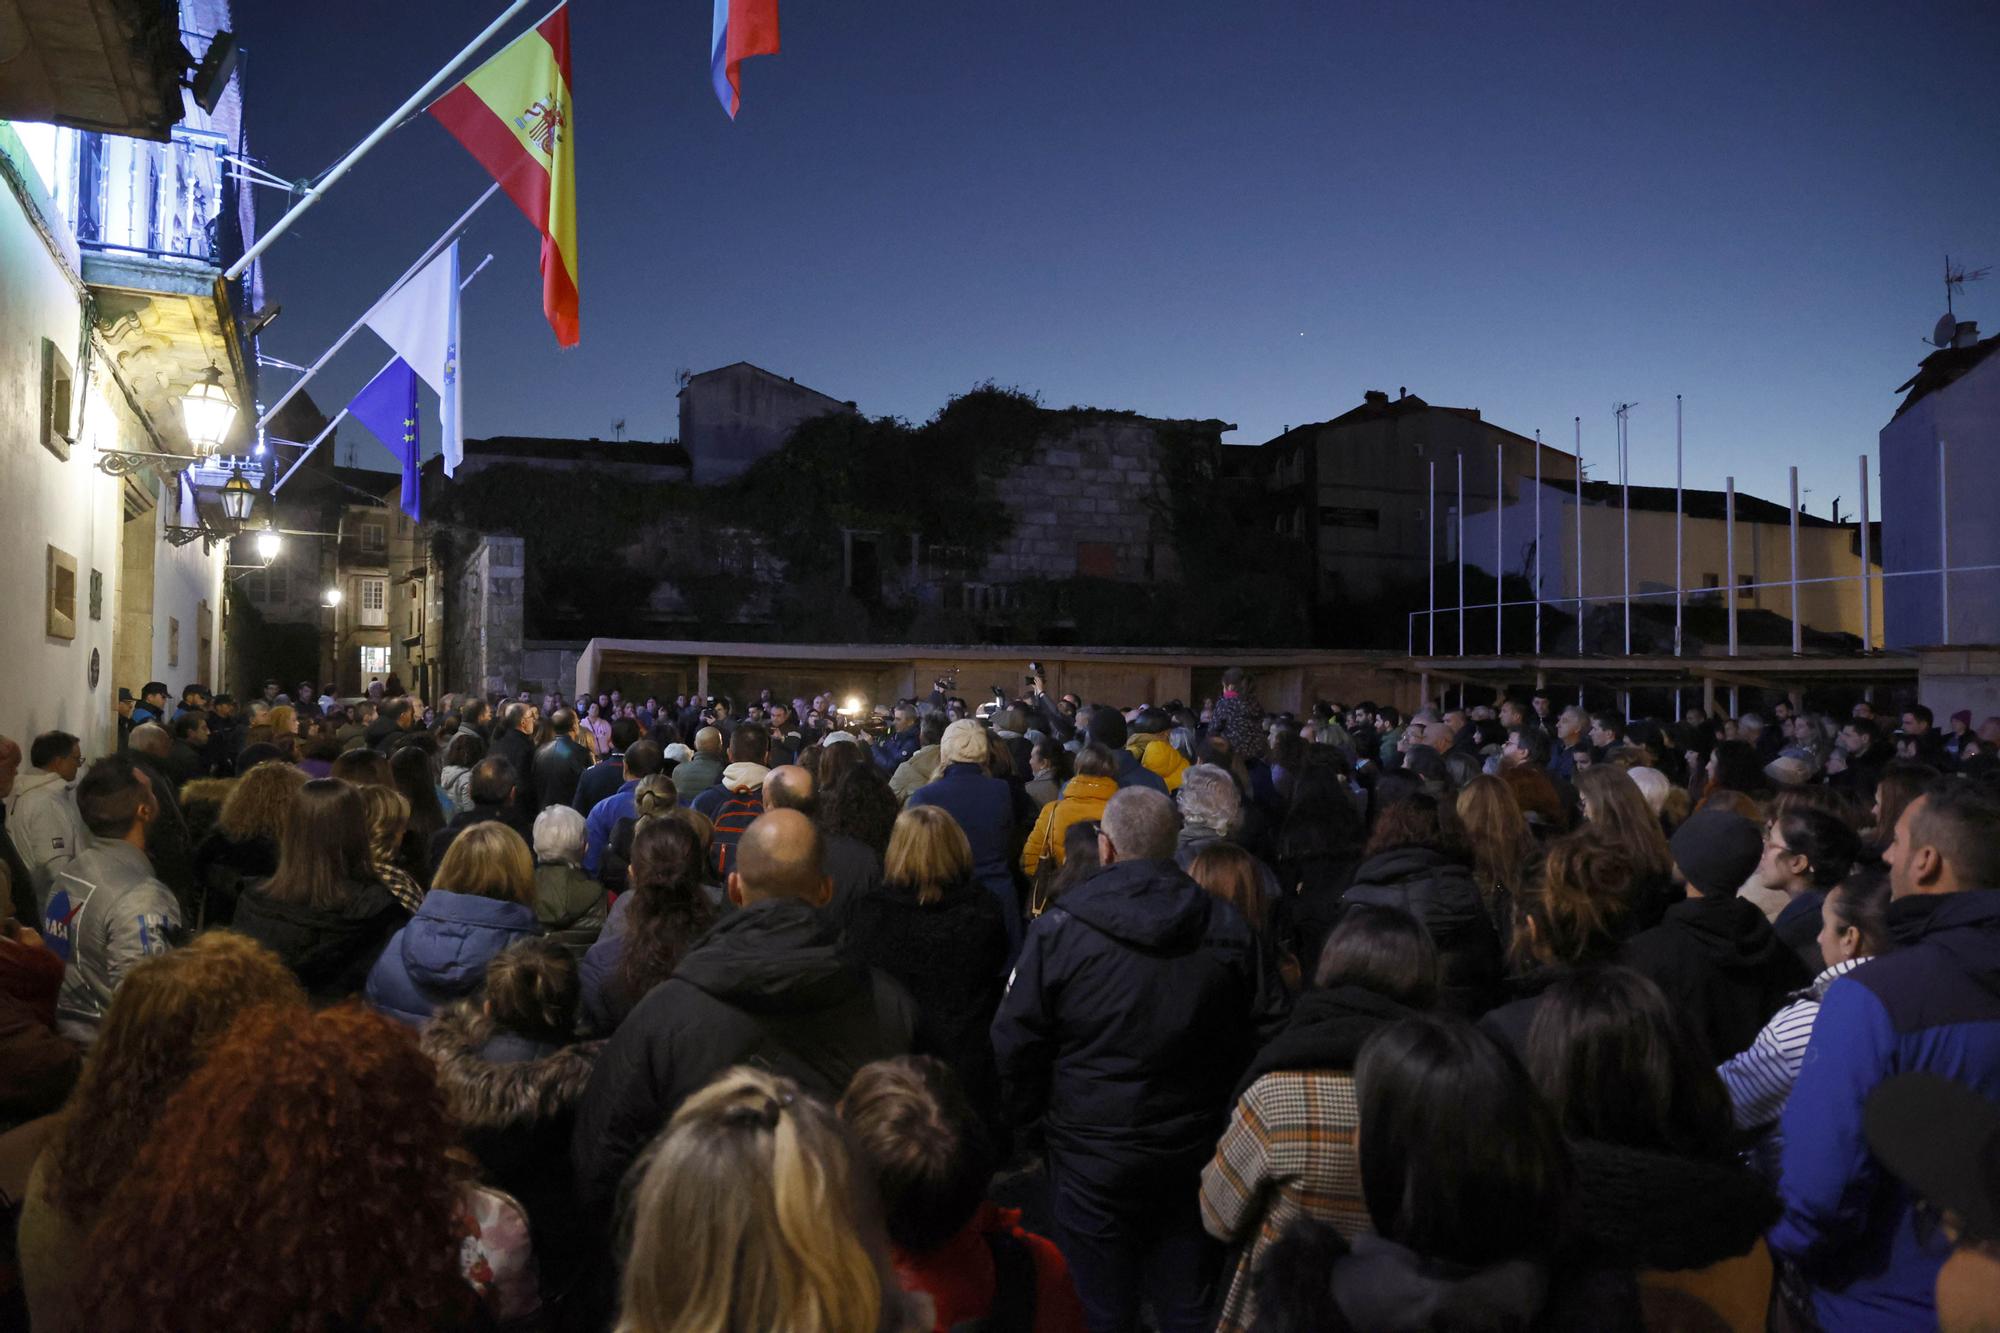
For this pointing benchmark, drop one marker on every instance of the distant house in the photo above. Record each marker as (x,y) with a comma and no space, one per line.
(1952,408)
(637,460)
(734,415)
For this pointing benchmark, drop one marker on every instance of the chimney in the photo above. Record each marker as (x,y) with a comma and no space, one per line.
(1375,398)
(1402,392)
(1965,335)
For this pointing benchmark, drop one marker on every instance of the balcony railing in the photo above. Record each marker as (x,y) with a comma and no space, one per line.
(161,200)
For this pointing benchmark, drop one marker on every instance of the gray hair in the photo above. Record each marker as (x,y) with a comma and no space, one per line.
(1209,798)
(559,835)
(1140,824)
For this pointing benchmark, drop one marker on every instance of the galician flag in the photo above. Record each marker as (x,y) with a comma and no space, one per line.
(420,321)
(513,114)
(743,28)
(388,407)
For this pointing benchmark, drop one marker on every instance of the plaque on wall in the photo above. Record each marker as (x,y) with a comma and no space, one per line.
(97,594)
(94,664)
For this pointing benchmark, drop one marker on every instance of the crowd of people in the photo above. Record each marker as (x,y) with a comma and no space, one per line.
(1044,1013)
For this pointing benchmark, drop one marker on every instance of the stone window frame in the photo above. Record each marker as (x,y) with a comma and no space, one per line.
(60,597)
(58,408)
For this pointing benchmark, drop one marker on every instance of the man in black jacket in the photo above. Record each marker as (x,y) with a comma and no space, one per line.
(515,742)
(1124,1030)
(560,764)
(495,791)
(771,985)
(1721,965)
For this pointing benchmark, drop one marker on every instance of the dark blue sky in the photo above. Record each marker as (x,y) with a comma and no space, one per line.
(1188,208)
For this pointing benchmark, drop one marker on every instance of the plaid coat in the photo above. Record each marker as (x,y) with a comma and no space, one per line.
(1289,1152)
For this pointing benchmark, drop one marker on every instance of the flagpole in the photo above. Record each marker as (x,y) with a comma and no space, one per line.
(342,414)
(340,168)
(451,234)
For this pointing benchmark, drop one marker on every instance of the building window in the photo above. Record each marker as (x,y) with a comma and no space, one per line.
(1096,560)
(373,538)
(1342,516)
(60,620)
(374,661)
(374,601)
(56,390)
(1711,580)
(1743,582)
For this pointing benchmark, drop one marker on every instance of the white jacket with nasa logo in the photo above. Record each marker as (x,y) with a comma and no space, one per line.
(105,913)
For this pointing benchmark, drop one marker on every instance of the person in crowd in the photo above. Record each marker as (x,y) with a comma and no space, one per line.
(1105,725)
(984,808)
(607,773)
(599,727)
(921,768)
(475,719)
(163,1023)
(495,791)
(514,741)
(855,800)
(1415,860)
(512,1074)
(412,774)
(152,705)
(1127,1022)
(24,900)
(242,848)
(1234,876)
(560,765)
(1854,927)
(1082,799)
(364,768)
(1613,803)
(1923,1128)
(1658,1187)
(571,906)
(642,760)
(43,820)
(1715,955)
(1503,847)
(481,900)
(396,717)
(904,739)
(324,912)
(1289,1151)
(770,983)
(1049,770)
(1898,786)
(37,1067)
(1211,810)
(1806,853)
(853,866)
(1933,1006)
(1318,851)
(1237,715)
(652,925)
(932,1161)
(737,798)
(1149,744)
(1466,1178)
(107,910)
(388,824)
(195,1239)
(752,1213)
(696,775)
(167,844)
(932,926)
(1577,911)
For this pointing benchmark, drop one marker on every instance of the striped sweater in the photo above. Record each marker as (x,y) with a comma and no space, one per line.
(1760,1078)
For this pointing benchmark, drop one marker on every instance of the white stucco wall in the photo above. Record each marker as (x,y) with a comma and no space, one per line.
(46,501)
(1966,415)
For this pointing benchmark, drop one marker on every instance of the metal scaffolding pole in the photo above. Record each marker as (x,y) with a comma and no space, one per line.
(1867,584)
(1461,556)
(1577,554)
(1499,546)
(1944,547)
(1538,543)
(1680,561)
(1431,527)
(1798,630)
(1625,515)
(1729,557)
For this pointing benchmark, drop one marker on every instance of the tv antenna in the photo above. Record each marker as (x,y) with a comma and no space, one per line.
(618,430)
(1955,278)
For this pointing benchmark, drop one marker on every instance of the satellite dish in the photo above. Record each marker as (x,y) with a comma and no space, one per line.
(1947,327)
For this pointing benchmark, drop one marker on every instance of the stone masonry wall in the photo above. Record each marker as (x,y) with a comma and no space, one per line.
(1081,494)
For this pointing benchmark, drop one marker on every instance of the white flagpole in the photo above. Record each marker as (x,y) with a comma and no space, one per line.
(1461,553)
(1430,522)
(437,247)
(341,415)
(1538,543)
(1579,544)
(380,132)
(1499,545)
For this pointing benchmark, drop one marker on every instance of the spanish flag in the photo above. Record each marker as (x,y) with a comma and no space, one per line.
(513,114)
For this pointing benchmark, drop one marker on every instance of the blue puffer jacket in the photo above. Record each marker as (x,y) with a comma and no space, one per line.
(1127,1023)
(442,954)
(1933,1005)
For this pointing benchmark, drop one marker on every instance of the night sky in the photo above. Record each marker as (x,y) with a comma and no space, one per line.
(1188,208)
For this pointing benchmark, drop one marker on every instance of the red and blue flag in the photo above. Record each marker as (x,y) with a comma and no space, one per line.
(743,28)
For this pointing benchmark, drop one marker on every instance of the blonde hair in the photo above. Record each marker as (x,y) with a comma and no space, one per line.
(655,795)
(488,860)
(927,850)
(256,805)
(964,742)
(282,720)
(388,818)
(745,1218)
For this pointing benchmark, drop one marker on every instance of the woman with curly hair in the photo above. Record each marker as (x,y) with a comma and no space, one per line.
(748,1214)
(660,914)
(858,804)
(325,912)
(316,1215)
(168,1012)
(242,848)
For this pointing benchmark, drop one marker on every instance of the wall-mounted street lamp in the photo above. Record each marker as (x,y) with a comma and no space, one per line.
(207,411)
(331,597)
(237,498)
(269,543)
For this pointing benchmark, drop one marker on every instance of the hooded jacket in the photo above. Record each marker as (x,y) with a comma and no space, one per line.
(442,954)
(1721,965)
(1933,1005)
(329,950)
(37,1067)
(769,985)
(1442,894)
(1083,798)
(921,767)
(106,912)
(44,823)
(1157,755)
(1127,1022)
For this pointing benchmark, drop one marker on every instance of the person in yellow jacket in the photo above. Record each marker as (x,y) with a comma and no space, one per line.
(1082,798)
(1148,744)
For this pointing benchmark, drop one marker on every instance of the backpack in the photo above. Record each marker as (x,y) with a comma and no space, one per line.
(1013,1308)
(731,817)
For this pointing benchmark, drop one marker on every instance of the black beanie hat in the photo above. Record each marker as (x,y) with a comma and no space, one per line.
(1717,851)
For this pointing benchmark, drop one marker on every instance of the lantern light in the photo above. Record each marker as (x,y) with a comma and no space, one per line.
(208,412)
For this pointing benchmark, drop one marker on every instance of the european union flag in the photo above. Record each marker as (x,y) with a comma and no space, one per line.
(388,407)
